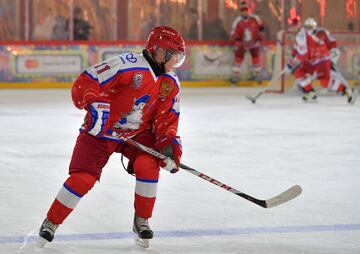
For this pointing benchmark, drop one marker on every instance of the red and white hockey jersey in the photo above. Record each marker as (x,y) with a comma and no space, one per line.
(247,31)
(309,48)
(139,99)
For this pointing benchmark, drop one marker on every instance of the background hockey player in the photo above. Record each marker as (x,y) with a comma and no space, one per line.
(337,82)
(246,32)
(130,95)
(314,56)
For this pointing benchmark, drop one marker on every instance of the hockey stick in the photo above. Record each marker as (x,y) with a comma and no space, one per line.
(254,98)
(282,198)
(213,59)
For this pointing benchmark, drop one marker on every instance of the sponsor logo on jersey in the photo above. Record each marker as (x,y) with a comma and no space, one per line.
(103,106)
(166,87)
(137,79)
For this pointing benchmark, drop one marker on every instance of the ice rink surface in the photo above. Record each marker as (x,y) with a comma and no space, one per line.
(259,149)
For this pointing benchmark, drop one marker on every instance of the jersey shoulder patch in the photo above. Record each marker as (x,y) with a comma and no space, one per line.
(109,68)
(169,84)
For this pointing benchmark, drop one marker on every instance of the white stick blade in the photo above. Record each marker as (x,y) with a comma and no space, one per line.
(284,197)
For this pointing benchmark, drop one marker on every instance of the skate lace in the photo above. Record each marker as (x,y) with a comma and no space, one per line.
(142,223)
(49,226)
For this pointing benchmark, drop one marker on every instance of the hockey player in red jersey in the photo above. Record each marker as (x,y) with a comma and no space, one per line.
(314,56)
(310,60)
(246,33)
(337,82)
(127,96)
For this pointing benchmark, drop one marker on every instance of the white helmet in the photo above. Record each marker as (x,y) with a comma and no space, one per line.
(310,24)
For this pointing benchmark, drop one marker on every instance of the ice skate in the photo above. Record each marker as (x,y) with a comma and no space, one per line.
(310,97)
(258,78)
(233,81)
(351,95)
(46,233)
(142,230)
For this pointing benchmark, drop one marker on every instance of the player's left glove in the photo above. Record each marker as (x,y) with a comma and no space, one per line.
(170,147)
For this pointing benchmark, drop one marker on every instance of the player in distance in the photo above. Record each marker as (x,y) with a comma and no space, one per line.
(314,56)
(246,32)
(130,95)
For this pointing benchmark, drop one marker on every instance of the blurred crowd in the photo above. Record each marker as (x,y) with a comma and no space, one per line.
(104,20)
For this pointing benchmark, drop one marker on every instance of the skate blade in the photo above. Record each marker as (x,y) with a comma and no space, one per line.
(250,98)
(144,243)
(41,242)
(354,97)
(311,101)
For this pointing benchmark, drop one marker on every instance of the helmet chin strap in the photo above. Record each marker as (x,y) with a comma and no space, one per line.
(158,68)
(167,59)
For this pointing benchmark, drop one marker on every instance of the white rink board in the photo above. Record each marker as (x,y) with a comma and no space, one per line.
(260,149)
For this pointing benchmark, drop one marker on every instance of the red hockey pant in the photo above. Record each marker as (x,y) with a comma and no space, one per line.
(320,71)
(255,56)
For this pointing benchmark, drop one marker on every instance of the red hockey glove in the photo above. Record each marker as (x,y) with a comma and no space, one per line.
(170,147)
(97,119)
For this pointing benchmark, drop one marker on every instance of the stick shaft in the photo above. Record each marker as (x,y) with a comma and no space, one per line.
(268,85)
(285,196)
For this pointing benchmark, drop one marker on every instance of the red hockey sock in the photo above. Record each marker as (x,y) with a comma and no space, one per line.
(74,188)
(146,169)
(341,89)
(144,206)
(308,88)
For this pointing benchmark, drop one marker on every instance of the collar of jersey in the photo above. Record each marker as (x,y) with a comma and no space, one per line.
(157,69)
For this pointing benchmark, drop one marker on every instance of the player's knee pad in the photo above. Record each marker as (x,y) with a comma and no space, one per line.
(75,187)
(81,182)
(304,82)
(147,167)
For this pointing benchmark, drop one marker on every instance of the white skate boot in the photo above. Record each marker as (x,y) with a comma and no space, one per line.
(46,233)
(351,95)
(310,97)
(142,230)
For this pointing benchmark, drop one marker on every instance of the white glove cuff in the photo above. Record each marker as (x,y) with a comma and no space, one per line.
(170,164)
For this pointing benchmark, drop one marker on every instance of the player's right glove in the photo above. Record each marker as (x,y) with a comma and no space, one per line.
(238,43)
(292,65)
(97,119)
(170,147)
(334,55)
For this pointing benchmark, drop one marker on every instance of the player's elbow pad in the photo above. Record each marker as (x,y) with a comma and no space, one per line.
(84,92)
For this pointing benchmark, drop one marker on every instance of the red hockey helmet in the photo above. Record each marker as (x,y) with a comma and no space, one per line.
(169,40)
(244,6)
